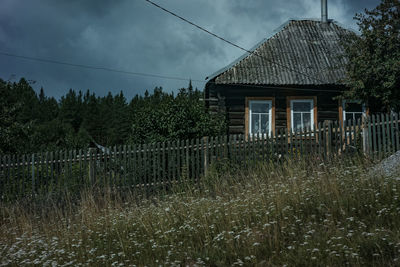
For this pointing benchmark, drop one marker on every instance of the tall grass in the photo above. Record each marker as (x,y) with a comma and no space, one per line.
(300,213)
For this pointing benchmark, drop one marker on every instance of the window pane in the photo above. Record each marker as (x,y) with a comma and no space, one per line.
(255,123)
(353,107)
(264,123)
(260,107)
(306,120)
(296,122)
(302,106)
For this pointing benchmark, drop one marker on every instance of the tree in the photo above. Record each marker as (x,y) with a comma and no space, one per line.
(160,117)
(373,68)
(15,126)
(31,122)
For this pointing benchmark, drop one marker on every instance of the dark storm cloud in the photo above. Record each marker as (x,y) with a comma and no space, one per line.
(135,36)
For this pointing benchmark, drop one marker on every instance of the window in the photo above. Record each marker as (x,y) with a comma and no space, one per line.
(301,114)
(260,116)
(353,110)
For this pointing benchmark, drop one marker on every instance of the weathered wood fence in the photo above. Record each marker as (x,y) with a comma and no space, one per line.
(157,166)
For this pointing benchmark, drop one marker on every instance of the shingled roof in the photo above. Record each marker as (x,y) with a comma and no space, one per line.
(303,52)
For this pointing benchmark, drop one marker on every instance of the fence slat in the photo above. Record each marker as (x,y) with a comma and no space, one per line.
(379,135)
(239,150)
(33,173)
(370,149)
(396,118)
(189,145)
(152,164)
(164,166)
(391,130)
(310,140)
(337,137)
(198,159)
(374,135)
(159,165)
(178,159)
(383,134)
(340,130)
(294,142)
(9,172)
(192,167)
(145,168)
(213,149)
(204,148)
(139,166)
(13,176)
(19,175)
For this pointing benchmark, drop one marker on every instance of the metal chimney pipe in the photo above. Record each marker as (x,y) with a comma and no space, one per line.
(324,11)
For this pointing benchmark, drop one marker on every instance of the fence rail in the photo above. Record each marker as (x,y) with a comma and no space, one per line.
(158,165)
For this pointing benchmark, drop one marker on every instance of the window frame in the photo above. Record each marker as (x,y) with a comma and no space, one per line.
(248,101)
(343,106)
(289,110)
(269,102)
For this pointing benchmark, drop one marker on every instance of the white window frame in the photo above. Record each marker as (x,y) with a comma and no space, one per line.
(269,102)
(311,111)
(364,109)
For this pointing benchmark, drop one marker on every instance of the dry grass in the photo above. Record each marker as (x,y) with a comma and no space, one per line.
(298,213)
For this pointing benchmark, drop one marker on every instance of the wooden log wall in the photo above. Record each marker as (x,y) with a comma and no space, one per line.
(233,102)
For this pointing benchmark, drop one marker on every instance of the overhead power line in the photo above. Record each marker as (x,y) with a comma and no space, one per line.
(231,43)
(99,68)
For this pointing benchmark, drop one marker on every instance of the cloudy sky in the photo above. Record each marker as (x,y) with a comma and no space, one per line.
(134,36)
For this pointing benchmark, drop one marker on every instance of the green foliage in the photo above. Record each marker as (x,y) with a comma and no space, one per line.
(14,123)
(31,122)
(162,116)
(374,57)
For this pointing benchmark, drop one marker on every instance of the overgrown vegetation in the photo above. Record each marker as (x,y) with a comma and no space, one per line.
(373,67)
(295,214)
(31,122)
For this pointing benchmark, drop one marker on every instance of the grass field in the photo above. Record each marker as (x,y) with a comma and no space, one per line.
(294,214)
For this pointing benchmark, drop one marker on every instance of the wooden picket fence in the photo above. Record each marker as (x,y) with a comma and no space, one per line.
(154,167)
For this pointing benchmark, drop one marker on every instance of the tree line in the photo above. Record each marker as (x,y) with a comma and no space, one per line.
(31,122)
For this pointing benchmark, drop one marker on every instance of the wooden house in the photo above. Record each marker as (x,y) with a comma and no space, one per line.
(289,80)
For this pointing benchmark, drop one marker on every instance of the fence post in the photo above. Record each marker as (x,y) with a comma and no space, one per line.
(326,138)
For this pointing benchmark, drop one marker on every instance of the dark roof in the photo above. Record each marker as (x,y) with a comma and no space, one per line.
(303,52)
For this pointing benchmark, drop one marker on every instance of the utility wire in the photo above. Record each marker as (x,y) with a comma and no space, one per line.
(150,75)
(197,26)
(98,68)
(231,43)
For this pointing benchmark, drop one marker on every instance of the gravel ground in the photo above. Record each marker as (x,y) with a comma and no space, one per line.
(389,166)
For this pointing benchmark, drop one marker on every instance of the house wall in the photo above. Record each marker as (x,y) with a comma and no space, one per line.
(232,100)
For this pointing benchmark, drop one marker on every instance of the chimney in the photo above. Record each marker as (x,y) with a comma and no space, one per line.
(324,11)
